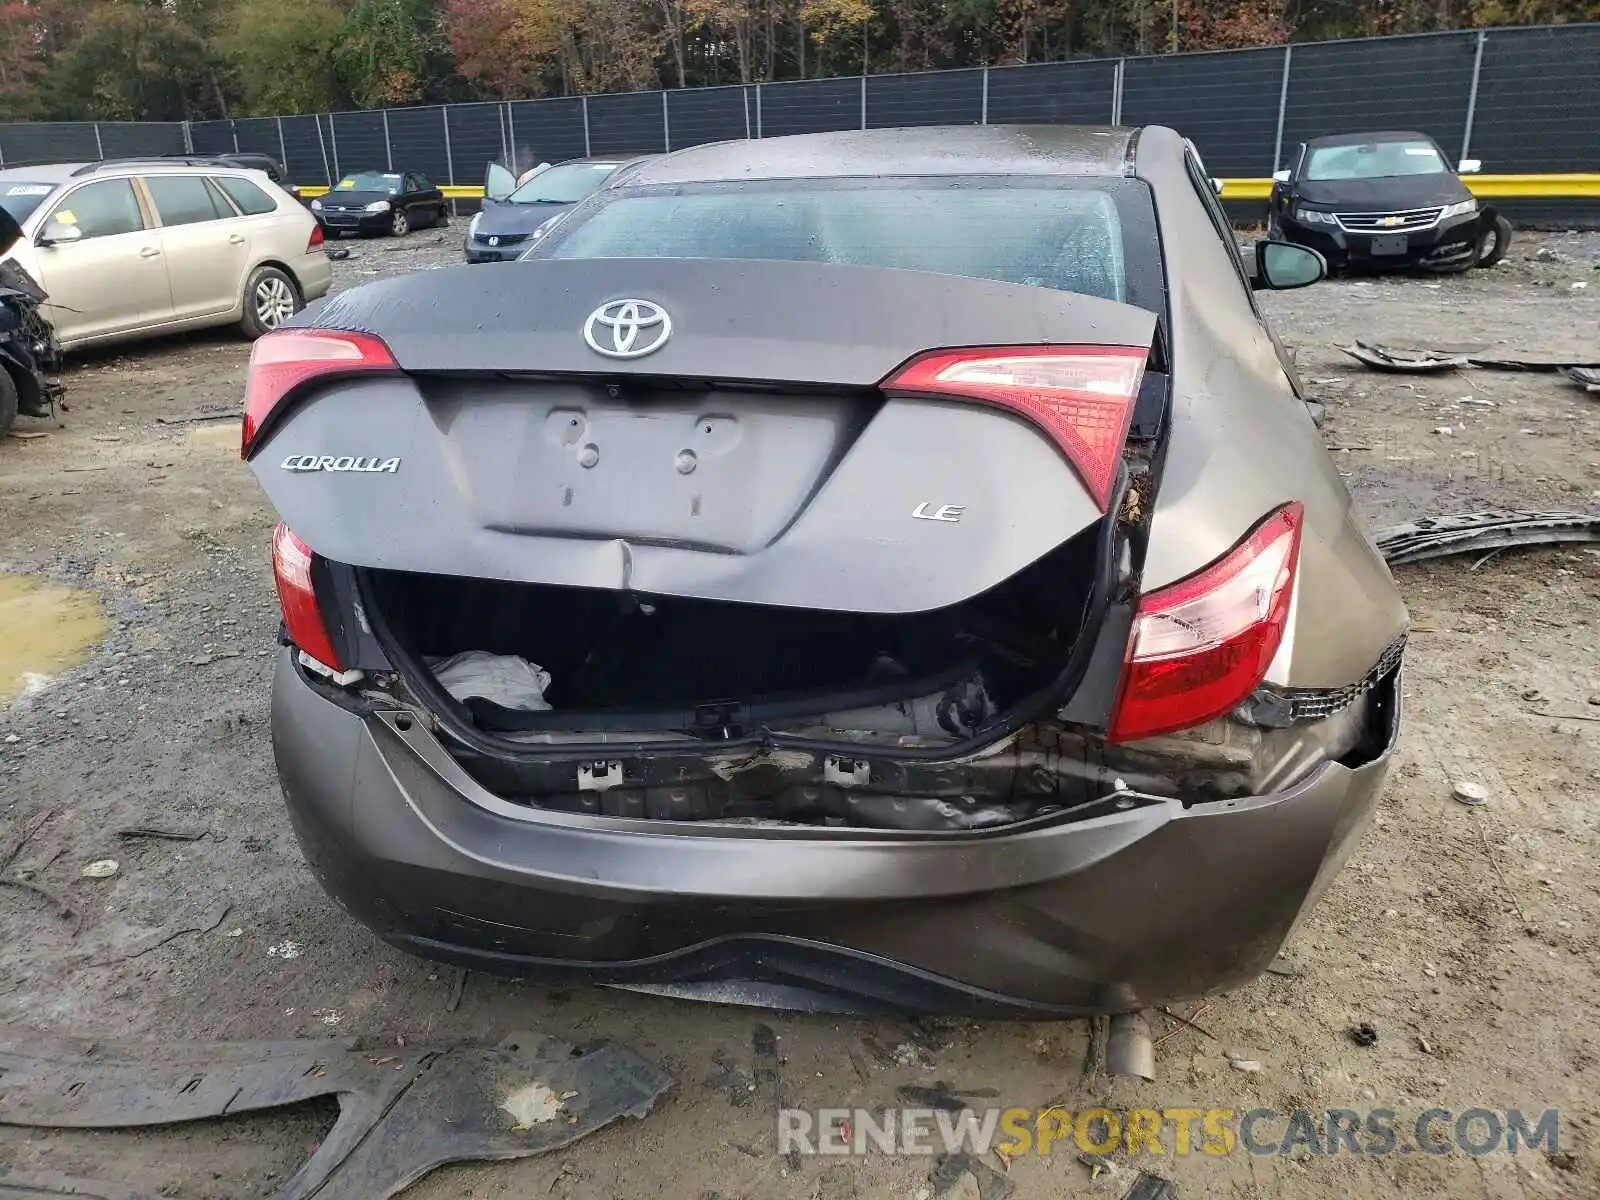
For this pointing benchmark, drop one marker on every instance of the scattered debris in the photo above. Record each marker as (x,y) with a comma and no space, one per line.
(457,988)
(1587,378)
(202,920)
(1424,1044)
(1129,1050)
(397,1121)
(287,949)
(1382,358)
(31,435)
(67,1187)
(1464,533)
(196,418)
(1364,1034)
(162,835)
(1245,1064)
(101,868)
(1151,1187)
(1470,793)
(63,910)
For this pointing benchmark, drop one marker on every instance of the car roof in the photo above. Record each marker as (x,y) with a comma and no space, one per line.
(1363,139)
(42,173)
(951,150)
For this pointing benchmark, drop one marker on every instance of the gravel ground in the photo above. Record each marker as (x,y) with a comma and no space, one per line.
(1465,936)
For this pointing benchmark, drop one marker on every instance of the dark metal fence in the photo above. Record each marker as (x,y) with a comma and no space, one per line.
(1524,100)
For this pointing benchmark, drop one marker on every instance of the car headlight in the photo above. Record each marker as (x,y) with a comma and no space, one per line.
(316,205)
(378,206)
(546,226)
(1458,208)
(1310,216)
(472,225)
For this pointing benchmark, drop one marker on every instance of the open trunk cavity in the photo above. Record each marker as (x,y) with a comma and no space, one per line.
(648,664)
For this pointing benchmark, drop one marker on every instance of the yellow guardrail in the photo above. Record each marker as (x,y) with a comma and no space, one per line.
(451,192)
(1509,186)
(1576,184)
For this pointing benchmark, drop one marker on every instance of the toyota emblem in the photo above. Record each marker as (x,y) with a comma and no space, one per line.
(627,328)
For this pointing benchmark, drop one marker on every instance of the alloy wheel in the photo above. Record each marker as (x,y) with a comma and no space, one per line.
(274,301)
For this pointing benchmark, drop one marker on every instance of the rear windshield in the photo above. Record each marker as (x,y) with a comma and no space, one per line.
(1374,160)
(563,185)
(1094,237)
(20,199)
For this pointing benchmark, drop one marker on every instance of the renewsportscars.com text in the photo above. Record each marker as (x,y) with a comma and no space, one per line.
(1014,1132)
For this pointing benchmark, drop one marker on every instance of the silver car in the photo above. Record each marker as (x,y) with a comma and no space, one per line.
(862,570)
(134,249)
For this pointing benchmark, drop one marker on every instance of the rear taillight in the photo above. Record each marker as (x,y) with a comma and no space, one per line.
(1200,646)
(282,361)
(316,237)
(302,617)
(1081,396)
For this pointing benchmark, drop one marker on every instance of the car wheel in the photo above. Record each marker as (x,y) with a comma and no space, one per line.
(400,224)
(1494,243)
(270,299)
(8,401)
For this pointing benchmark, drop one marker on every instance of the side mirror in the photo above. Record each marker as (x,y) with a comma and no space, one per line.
(1280,177)
(1283,265)
(56,232)
(1470,166)
(498,183)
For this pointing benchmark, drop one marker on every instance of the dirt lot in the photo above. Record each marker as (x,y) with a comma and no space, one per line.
(1466,936)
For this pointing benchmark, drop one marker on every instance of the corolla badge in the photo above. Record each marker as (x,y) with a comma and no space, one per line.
(341,462)
(627,328)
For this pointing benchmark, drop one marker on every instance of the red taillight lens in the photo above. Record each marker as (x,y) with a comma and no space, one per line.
(282,361)
(1202,645)
(1081,396)
(291,567)
(316,237)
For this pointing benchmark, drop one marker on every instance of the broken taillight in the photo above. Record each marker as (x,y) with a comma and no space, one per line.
(287,359)
(1082,397)
(1200,646)
(302,616)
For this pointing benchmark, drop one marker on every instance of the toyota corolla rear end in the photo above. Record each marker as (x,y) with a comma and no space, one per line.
(664,636)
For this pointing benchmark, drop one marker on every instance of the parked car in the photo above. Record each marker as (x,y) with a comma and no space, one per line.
(886,568)
(131,249)
(265,163)
(1384,200)
(514,214)
(27,343)
(394,202)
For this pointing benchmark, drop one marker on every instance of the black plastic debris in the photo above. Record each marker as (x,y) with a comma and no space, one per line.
(1587,378)
(400,1115)
(1364,1034)
(1386,358)
(1464,533)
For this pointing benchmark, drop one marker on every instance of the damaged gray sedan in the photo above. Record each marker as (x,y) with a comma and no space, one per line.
(853,572)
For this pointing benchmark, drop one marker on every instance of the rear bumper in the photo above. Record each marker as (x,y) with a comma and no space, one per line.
(1054,917)
(314,274)
(1450,243)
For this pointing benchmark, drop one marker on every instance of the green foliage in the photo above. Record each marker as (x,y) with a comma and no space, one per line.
(281,55)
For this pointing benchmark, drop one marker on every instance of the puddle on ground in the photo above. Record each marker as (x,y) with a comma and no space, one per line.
(45,628)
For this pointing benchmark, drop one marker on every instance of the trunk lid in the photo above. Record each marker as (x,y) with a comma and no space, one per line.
(737,449)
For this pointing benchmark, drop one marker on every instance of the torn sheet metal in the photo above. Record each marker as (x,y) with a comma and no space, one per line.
(400,1115)
(1585,377)
(1465,533)
(1384,358)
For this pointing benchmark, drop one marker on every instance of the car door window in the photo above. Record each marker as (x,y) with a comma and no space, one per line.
(419,183)
(252,201)
(185,200)
(101,209)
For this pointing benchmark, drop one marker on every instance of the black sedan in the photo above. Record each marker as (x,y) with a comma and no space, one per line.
(1380,200)
(513,215)
(381,202)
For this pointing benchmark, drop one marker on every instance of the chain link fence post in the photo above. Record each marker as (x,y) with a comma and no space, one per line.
(99,146)
(1472,95)
(1116,92)
(983,104)
(586,150)
(1283,108)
